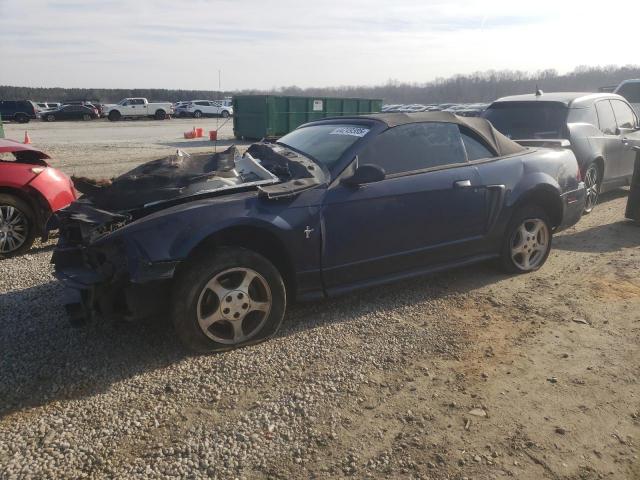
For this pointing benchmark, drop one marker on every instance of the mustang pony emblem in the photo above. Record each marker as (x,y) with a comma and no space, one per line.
(307,232)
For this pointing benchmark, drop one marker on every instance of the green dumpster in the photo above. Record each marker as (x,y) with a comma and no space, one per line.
(271,116)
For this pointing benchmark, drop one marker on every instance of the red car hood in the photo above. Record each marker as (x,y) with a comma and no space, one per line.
(12,146)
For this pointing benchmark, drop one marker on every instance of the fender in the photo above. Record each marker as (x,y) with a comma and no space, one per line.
(55,187)
(533,182)
(17,175)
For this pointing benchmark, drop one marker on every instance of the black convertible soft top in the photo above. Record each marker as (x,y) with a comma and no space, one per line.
(501,144)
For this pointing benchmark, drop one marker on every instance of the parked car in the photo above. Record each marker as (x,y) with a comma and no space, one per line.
(209,108)
(630,90)
(224,241)
(138,107)
(601,129)
(87,103)
(180,109)
(30,191)
(20,111)
(70,112)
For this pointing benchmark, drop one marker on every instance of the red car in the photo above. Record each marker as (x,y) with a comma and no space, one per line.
(30,191)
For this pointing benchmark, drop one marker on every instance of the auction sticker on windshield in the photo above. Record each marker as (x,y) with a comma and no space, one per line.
(352,131)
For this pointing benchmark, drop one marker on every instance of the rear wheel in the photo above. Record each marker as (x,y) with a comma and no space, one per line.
(114,116)
(17,226)
(592,182)
(50,117)
(527,242)
(225,114)
(197,114)
(232,298)
(22,117)
(160,115)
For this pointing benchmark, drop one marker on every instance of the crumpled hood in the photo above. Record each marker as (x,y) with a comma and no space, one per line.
(273,170)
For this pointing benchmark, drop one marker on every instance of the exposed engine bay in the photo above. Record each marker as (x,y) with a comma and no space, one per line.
(106,205)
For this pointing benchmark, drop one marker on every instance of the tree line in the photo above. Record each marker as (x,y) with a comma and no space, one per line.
(476,87)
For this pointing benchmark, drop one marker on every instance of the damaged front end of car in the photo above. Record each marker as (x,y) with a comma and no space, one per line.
(102,258)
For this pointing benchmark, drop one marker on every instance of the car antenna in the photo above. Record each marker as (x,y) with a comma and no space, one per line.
(538,91)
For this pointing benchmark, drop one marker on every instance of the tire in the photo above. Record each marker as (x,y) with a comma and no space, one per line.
(86,117)
(592,183)
(12,207)
(533,249)
(160,115)
(197,114)
(114,116)
(225,114)
(22,118)
(194,299)
(50,118)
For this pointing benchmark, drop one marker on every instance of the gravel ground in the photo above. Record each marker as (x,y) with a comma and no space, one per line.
(467,374)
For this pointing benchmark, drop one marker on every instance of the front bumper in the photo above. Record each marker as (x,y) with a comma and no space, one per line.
(116,289)
(573,203)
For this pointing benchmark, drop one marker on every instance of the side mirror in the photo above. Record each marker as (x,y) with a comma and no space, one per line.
(365,174)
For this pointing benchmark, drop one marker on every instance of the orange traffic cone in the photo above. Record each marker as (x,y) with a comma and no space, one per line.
(26,137)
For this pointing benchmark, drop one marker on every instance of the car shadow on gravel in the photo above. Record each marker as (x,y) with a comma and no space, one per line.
(611,237)
(44,359)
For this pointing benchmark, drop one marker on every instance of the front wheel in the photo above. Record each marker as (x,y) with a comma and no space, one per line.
(225,114)
(17,226)
(527,242)
(592,181)
(114,116)
(50,118)
(86,117)
(231,298)
(197,114)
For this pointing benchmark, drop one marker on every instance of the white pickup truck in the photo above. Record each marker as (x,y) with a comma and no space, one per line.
(137,107)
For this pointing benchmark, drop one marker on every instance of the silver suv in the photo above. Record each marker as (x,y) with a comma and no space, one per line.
(600,128)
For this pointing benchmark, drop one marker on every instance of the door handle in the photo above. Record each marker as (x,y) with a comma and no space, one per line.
(625,141)
(462,184)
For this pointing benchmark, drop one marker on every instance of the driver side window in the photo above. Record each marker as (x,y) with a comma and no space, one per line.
(415,146)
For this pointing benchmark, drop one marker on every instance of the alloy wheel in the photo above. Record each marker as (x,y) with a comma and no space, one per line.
(13,228)
(592,185)
(234,306)
(529,244)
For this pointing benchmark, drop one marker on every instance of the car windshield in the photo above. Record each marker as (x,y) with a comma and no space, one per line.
(528,120)
(324,143)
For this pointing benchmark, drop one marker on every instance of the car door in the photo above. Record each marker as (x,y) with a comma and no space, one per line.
(65,113)
(627,123)
(126,108)
(138,107)
(206,108)
(610,141)
(429,210)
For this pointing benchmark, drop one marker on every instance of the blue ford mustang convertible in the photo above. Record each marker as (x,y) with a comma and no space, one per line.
(225,241)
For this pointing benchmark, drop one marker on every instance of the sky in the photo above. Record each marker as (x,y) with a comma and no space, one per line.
(264,44)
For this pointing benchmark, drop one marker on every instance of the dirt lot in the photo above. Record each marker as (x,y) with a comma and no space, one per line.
(104,148)
(467,374)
